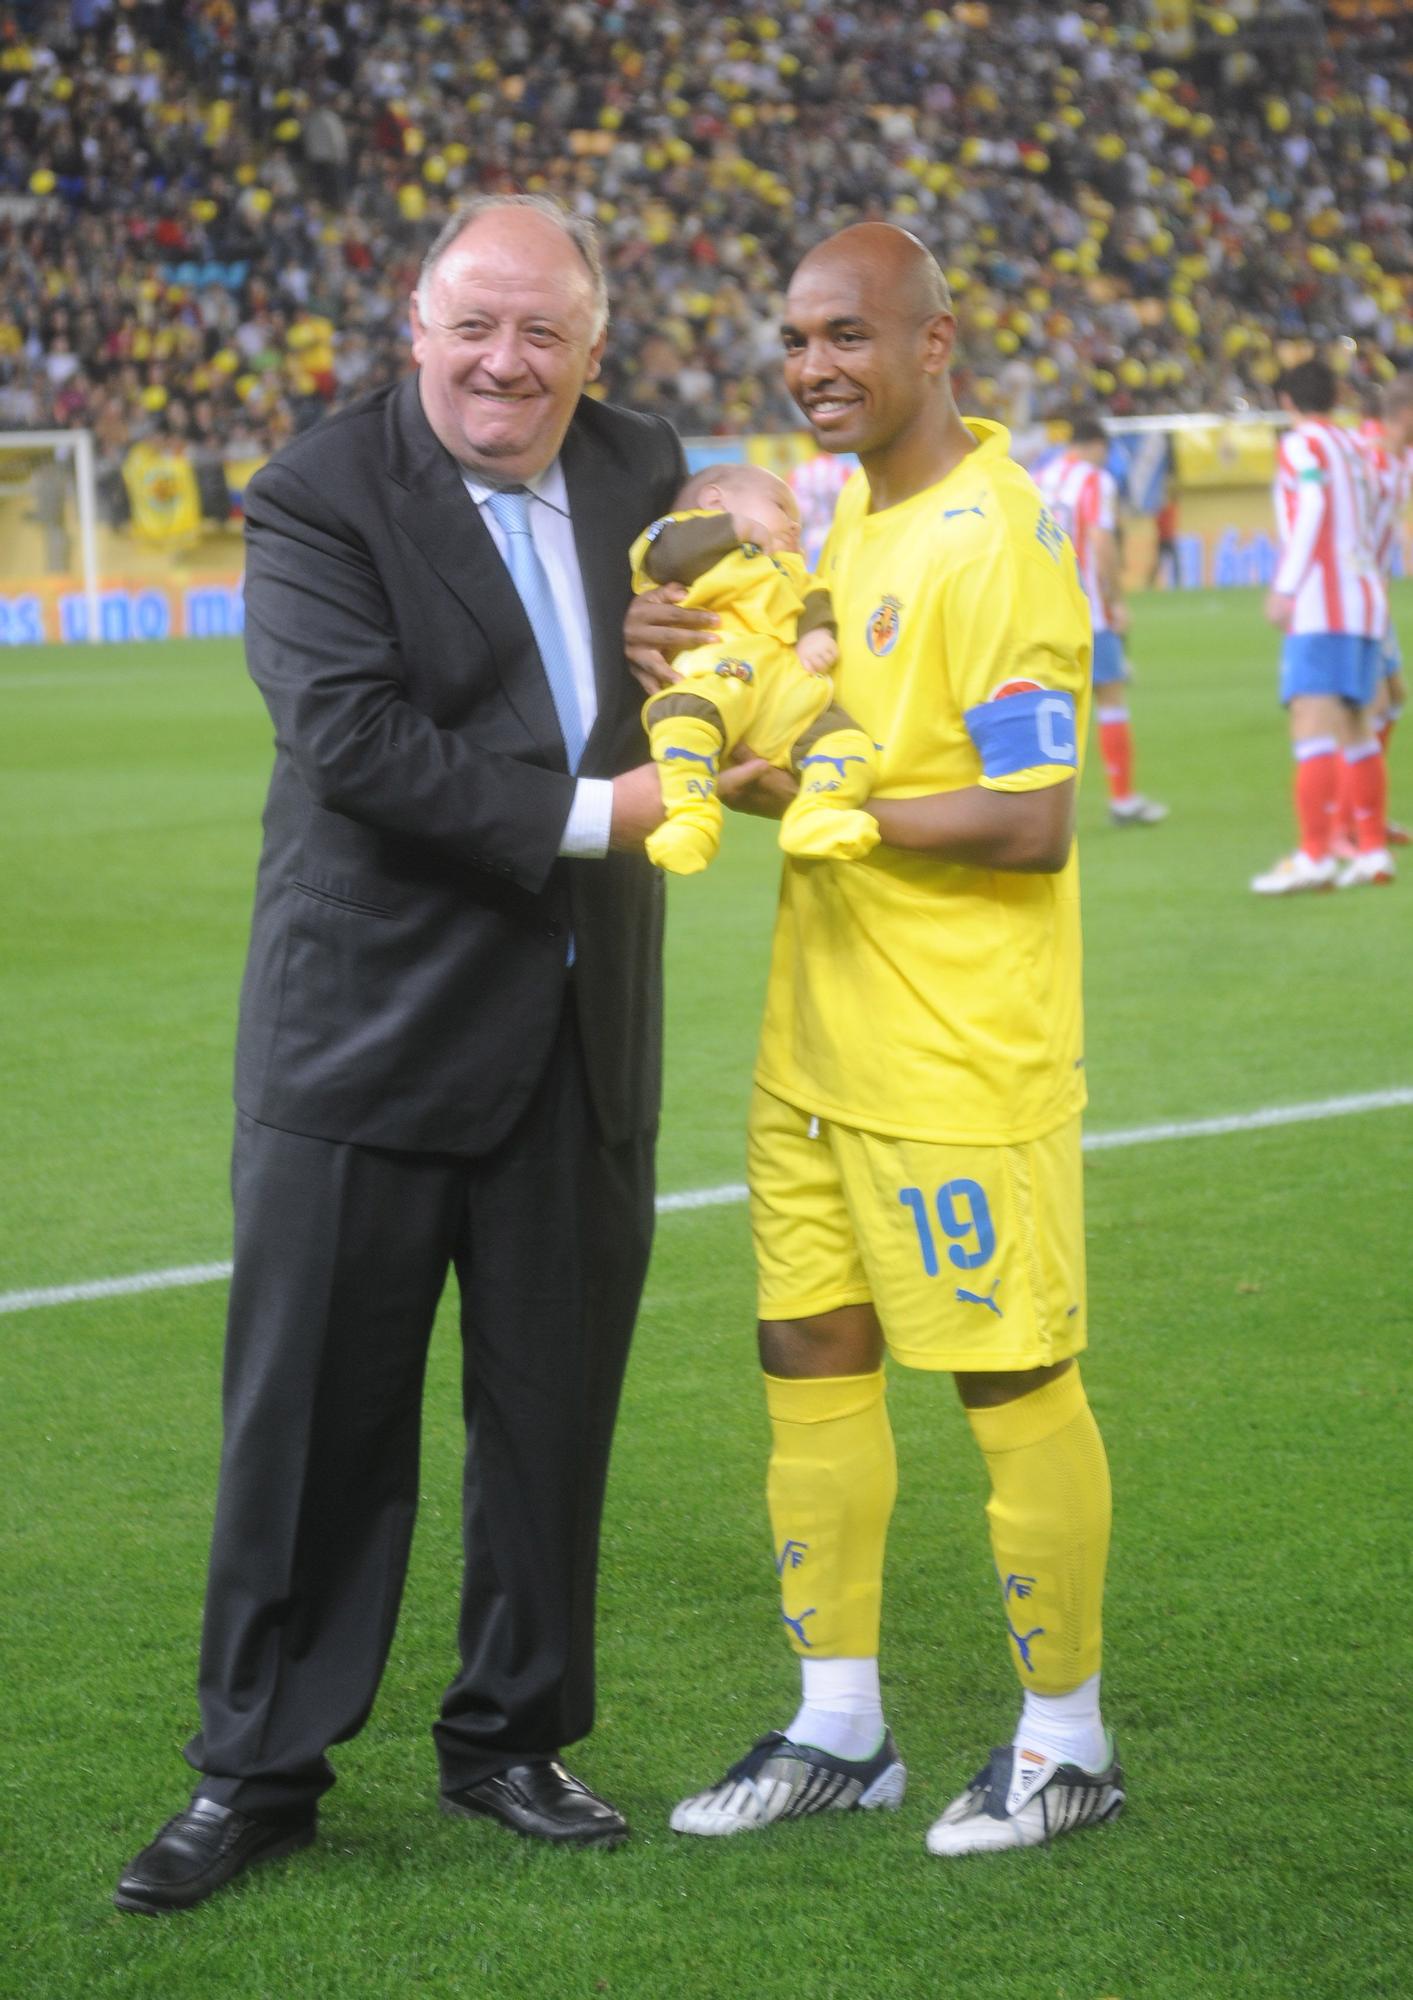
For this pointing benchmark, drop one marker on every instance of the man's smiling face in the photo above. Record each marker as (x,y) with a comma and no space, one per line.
(505,339)
(858,357)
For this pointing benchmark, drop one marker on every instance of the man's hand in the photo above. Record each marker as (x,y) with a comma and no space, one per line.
(749,784)
(658,626)
(818,650)
(1279,606)
(637,808)
(1118,619)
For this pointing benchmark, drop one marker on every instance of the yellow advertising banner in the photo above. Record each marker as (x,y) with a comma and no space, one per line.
(49,610)
(1234,454)
(160,578)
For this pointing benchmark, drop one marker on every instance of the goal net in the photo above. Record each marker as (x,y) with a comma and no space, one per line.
(48,529)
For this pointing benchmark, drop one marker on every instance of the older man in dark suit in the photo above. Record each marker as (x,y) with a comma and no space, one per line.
(448,1053)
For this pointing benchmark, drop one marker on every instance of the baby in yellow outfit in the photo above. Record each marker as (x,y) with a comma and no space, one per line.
(733,539)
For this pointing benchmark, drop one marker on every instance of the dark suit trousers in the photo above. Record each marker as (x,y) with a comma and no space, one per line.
(341,1254)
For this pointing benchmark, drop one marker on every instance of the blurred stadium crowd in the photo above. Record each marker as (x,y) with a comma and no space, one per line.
(211,213)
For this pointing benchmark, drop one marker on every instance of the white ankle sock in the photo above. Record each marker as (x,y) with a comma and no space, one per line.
(1066,1727)
(841,1710)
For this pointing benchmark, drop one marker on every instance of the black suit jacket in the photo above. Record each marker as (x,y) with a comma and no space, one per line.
(407,955)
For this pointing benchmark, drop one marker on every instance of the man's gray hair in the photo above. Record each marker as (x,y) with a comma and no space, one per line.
(577,228)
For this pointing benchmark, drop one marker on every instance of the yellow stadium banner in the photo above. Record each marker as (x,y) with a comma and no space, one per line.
(1234,454)
(239,471)
(163,494)
(781,451)
(168,575)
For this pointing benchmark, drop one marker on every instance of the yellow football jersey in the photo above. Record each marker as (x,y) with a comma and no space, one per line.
(917,997)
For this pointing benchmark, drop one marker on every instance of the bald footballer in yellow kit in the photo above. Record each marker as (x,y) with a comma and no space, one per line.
(914,1147)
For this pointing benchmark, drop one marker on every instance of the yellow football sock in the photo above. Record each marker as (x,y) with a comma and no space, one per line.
(823,822)
(687,751)
(1049,1516)
(831,1487)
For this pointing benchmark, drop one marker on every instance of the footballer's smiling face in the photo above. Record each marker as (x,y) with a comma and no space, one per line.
(506,336)
(862,352)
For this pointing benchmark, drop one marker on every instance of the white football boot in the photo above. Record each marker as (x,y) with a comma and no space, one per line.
(778,1779)
(1022,1799)
(1137,811)
(1296,873)
(1366,870)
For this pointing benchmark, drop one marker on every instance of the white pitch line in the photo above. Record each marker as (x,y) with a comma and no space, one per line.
(114,1288)
(1252,1121)
(734,1191)
(717,1197)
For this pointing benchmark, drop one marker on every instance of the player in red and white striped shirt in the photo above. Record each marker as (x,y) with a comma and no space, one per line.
(1387,442)
(1330,600)
(1083,495)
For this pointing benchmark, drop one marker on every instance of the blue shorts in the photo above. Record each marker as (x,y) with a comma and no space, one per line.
(1391,655)
(1109,662)
(1338,663)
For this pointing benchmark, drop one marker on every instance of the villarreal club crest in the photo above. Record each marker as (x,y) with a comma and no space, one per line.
(884,626)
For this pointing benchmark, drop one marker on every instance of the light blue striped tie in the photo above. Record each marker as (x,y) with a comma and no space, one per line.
(512,512)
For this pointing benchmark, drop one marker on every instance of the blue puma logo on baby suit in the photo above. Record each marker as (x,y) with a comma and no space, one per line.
(819,757)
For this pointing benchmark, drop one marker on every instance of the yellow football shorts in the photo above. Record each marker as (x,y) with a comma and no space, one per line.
(972,1256)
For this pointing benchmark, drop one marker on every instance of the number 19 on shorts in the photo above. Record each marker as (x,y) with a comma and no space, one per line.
(963,1218)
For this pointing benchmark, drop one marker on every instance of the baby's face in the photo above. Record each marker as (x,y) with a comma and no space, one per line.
(764,510)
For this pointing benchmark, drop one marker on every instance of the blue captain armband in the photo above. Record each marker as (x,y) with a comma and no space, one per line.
(1018,732)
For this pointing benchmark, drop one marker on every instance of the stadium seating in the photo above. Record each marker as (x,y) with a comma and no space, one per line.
(211,216)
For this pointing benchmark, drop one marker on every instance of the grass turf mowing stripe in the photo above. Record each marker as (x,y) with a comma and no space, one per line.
(734,1191)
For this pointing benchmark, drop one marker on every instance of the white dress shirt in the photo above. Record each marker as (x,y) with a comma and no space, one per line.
(587,828)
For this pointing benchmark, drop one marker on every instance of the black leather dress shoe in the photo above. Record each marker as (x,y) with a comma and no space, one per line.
(200,1851)
(543,1801)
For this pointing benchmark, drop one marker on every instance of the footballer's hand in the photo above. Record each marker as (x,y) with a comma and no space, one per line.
(749,784)
(659,625)
(1279,607)
(818,650)
(637,808)
(1118,619)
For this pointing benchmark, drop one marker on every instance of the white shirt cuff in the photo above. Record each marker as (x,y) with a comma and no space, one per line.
(590,817)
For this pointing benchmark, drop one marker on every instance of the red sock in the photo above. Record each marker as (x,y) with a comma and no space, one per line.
(1116,749)
(1368,791)
(1316,787)
(1344,805)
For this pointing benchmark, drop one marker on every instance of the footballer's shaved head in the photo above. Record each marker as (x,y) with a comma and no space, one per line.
(903,269)
(868,335)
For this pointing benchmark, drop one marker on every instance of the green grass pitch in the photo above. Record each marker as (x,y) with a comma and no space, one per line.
(1251,1323)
